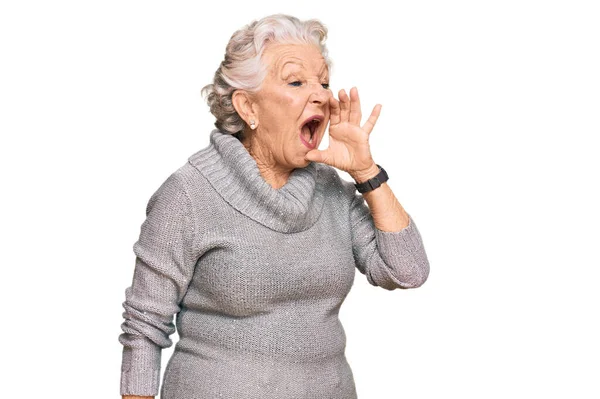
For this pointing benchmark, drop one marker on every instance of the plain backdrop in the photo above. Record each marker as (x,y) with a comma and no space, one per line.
(491,111)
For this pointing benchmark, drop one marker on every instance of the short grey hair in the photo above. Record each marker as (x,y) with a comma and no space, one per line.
(242,67)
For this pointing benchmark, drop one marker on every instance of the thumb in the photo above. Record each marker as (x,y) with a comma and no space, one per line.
(314,155)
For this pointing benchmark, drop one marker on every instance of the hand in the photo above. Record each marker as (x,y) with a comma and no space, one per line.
(349,148)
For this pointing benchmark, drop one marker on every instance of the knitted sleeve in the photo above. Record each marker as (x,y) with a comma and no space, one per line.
(388,259)
(164,266)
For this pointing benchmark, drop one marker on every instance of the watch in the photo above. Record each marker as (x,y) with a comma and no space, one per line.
(374,182)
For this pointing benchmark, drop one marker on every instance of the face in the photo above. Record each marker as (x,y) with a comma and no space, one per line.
(295,91)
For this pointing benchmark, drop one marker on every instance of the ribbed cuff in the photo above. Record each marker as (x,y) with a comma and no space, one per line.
(403,253)
(140,372)
(398,243)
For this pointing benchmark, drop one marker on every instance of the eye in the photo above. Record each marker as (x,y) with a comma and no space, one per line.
(325,86)
(297,83)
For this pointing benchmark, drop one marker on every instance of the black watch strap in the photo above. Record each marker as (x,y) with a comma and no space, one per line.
(374,182)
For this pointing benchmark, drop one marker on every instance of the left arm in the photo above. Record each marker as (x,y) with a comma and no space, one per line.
(387,212)
(386,243)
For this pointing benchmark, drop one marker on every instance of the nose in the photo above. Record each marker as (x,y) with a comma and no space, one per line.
(319,94)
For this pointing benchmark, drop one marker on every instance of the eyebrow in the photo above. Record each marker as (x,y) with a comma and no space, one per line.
(324,72)
(299,63)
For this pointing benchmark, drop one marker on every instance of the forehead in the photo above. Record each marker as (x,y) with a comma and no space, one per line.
(283,57)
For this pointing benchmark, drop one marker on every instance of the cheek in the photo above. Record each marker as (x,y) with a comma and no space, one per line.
(282,97)
(291,101)
(287,108)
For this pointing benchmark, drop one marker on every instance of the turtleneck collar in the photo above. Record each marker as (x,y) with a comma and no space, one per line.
(234,174)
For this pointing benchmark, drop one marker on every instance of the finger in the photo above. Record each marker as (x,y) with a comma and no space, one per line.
(370,123)
(334,109)
(344,105)
(321,156)
(355,114)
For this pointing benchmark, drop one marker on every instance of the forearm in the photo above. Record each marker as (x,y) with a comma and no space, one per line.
(388,214)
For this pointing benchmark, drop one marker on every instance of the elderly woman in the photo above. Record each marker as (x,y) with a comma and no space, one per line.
(253,243)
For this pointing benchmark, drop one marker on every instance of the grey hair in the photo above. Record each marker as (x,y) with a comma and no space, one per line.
(243,68)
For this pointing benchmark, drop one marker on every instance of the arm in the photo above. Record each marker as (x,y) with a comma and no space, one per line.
(164,266)
(387,245)
(387,212)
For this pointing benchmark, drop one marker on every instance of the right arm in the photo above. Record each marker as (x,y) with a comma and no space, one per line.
(165,261)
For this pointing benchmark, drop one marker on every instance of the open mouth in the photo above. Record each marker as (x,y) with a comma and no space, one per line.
(309,129)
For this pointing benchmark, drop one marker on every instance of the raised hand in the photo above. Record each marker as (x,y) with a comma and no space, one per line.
(349,148)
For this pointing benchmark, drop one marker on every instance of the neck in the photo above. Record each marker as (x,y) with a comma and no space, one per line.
(274,174)
(233,173)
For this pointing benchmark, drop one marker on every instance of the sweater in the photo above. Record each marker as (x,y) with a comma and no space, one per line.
(255,277)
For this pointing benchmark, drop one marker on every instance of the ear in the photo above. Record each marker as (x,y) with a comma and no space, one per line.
(244,106)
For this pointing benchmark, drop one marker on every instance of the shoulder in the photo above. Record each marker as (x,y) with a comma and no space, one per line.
(184,184)
(171,191)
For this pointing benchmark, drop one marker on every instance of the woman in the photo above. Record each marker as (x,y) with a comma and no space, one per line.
(254,241)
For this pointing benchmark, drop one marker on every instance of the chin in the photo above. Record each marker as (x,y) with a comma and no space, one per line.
(300,161)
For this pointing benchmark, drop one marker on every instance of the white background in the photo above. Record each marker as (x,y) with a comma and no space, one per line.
(490,111)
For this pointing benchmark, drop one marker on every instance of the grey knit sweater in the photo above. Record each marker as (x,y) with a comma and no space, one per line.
(256,277)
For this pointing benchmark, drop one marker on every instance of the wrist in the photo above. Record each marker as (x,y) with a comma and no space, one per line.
(365,174)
